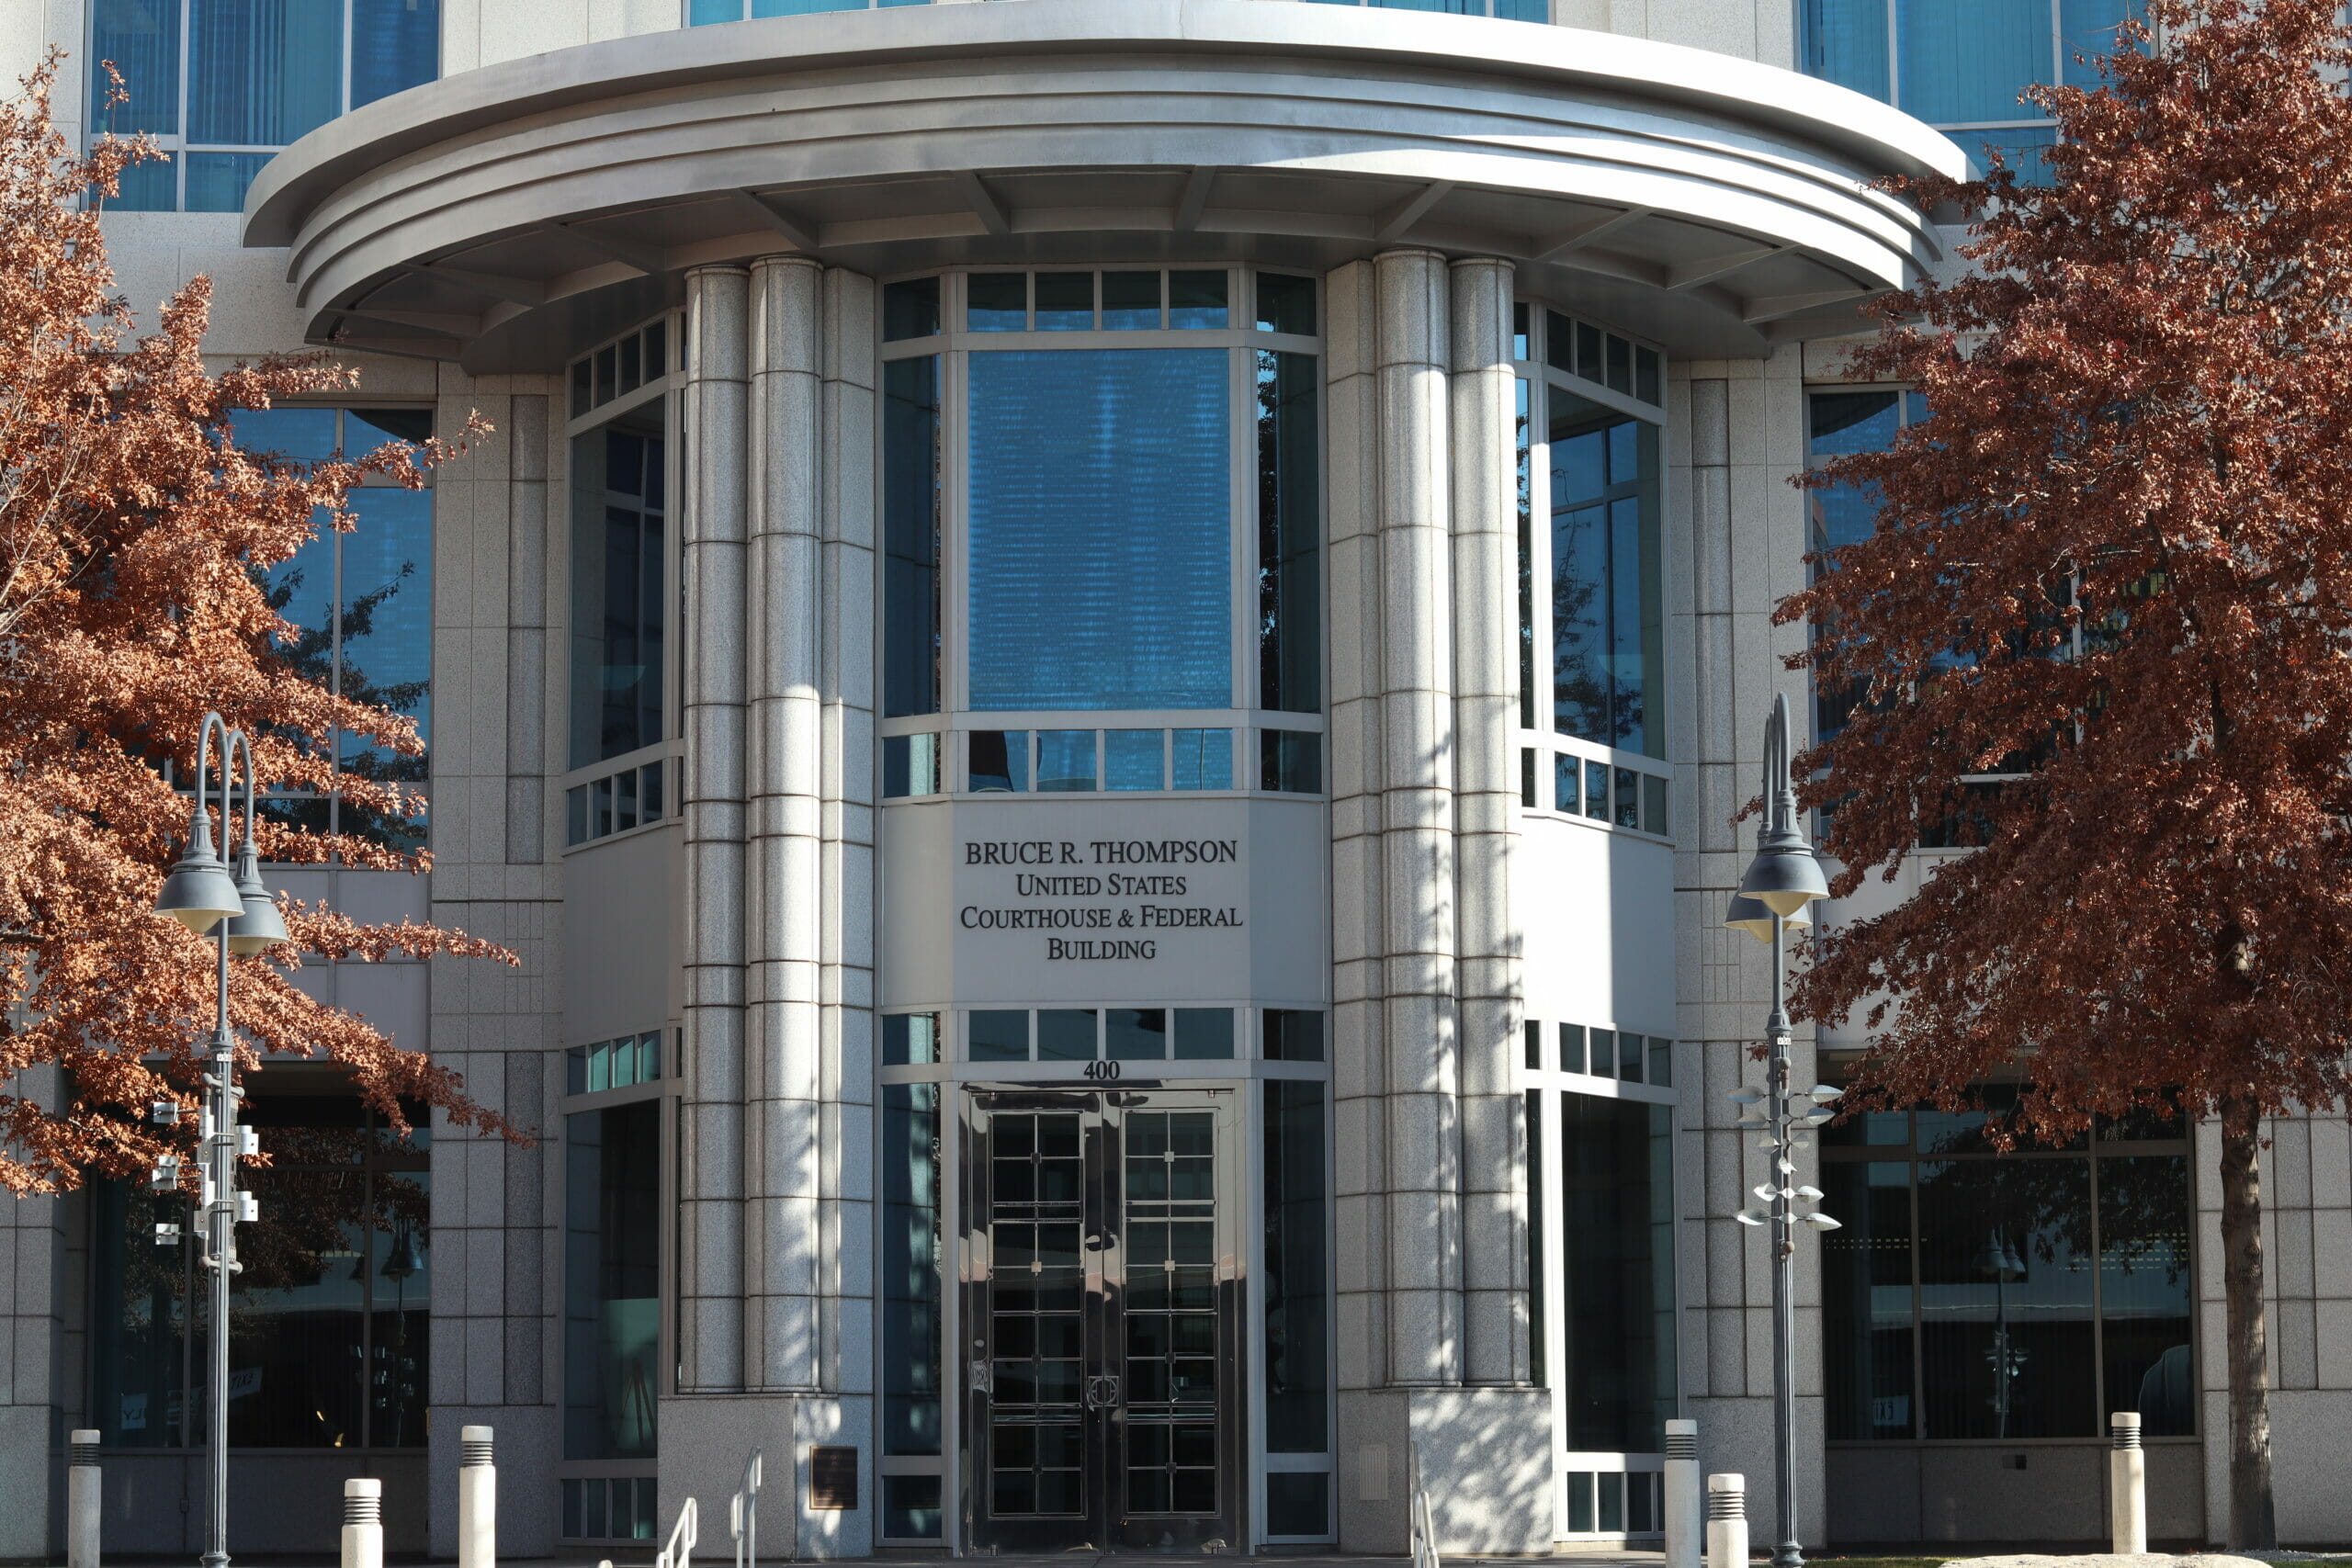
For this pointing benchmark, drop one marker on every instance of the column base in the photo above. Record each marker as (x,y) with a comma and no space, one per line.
(704,1439)
(1485,1463)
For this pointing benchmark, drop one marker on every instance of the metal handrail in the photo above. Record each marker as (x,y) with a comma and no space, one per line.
(743,1514)
(1423,1526)
(680,1550)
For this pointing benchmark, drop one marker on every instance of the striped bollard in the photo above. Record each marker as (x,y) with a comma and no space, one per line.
(2127,1484)
(1685,1534)
(363,1524)
(82,1499)
(477,1499)
(1726,1521)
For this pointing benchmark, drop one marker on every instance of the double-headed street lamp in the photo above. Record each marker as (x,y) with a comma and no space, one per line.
(1783,879)
(205,896)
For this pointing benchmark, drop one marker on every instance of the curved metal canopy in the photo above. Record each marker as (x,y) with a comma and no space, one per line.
(506,217)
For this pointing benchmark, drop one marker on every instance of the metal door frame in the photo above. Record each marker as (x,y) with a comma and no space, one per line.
(1105,1525)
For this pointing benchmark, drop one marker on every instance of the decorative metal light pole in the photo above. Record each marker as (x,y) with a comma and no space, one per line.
(203,895)
(1783,879)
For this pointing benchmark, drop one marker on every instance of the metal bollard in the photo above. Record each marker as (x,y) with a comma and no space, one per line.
(1685,1534)
(82,1499)
(363,1524)
(2127,1484)
(477,1499)
(1726,1521)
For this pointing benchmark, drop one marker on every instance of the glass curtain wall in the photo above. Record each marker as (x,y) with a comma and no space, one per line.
(1973,1294)
(222,84)
(361,604)
(329,1335)
(1961,64)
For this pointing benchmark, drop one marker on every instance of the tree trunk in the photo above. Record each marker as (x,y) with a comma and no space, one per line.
(2253,1522)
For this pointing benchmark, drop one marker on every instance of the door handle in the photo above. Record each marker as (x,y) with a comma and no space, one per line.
(982,1381)
(1101,1392)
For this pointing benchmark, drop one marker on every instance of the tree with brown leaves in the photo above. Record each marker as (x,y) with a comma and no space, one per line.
(2114,564)
(135,539)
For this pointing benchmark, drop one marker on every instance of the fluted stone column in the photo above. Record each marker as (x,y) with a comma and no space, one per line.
(780,540)
(1416,786)
(849,396)
(1485,811)
(711,1189)
(1358,982)
(785,758)
(1430,1292)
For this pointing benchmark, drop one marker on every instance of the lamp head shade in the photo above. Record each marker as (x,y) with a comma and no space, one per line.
(199,892)
(257,927)
(1752,916)
(1784,878)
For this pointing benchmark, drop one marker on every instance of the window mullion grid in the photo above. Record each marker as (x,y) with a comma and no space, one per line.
(334,665)
(2098,1289)
(1539,567)
(1918,1329)
(186,103)
(366,1305)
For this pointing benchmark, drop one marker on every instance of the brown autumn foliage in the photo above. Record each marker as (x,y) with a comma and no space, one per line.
(2115,560)
(133,535)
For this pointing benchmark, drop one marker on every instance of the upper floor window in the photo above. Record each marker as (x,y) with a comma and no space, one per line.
(1130,523)
(1507,10)
(1589,506)
(624,591)
(361,604)
(1960,64)
(223,83)
(699,12)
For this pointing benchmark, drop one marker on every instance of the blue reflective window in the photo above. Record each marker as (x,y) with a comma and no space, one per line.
(142,38)
(222,80)
(263,72)
(1065,759)
(1132,758)
(911,532)
(1100,529)
(395,44)
(1962,64)
(360,604)
(216,181)
(1607,619)
(619,601)
(1201,758)
(700,13)
(385,599)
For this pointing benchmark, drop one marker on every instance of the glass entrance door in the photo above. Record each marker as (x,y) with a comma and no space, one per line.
(1102,1321)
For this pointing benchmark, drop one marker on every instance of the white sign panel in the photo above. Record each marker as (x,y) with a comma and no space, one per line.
(1033,900)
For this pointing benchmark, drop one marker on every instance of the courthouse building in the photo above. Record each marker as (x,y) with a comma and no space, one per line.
(1099,664)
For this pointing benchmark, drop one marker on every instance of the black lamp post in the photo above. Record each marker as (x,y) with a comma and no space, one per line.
(1783,879)
(202,894)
